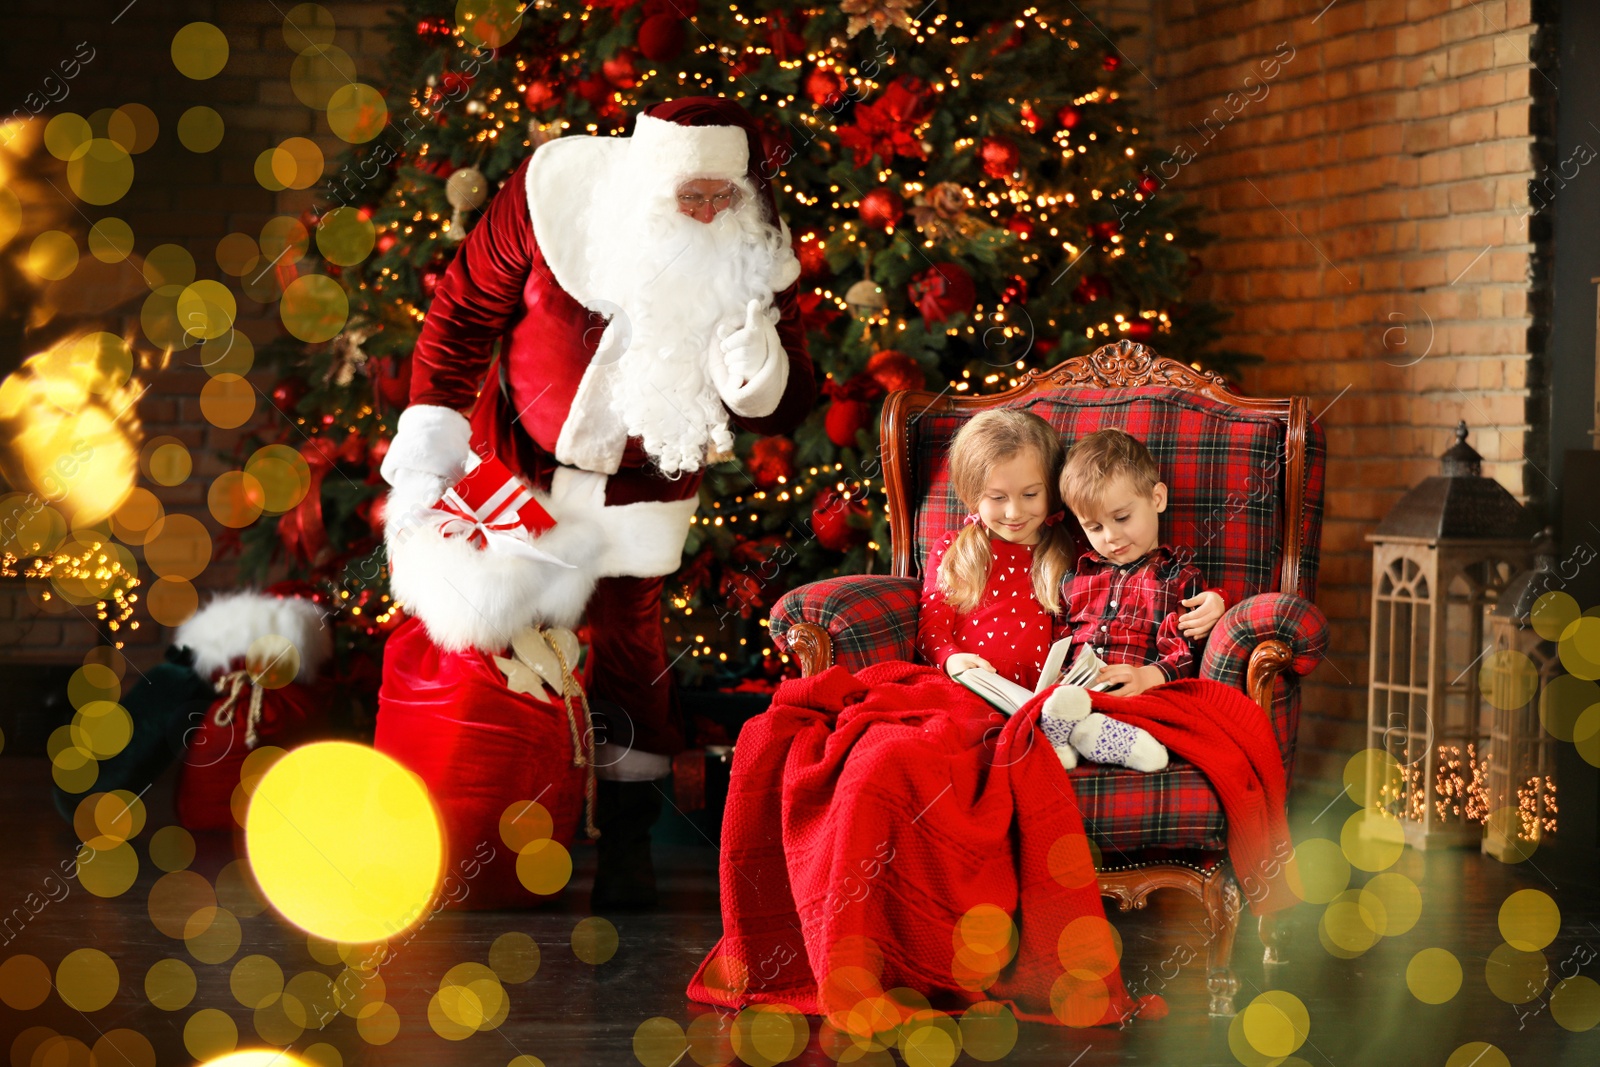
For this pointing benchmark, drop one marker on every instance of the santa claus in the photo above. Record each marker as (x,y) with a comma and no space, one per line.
(642,292)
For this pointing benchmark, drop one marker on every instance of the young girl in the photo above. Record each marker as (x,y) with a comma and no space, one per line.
(992,591)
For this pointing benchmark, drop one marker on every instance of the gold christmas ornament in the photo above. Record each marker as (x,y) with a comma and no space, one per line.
(467,190)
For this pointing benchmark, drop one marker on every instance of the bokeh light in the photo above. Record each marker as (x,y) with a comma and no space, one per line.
(200,129)
(199,51)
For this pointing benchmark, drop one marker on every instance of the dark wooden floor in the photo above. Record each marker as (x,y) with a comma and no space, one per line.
(571,1013)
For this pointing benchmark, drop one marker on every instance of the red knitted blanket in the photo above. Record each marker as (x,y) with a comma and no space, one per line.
(889,829)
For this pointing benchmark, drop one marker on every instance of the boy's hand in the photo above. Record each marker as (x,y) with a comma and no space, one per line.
(1197,623)
(963,660)
(1130,680)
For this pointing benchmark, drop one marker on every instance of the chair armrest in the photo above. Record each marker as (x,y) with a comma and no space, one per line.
(1263,645)
(854,620)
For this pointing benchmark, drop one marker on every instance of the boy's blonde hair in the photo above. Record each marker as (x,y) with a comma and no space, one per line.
(1097,461)
(990,438)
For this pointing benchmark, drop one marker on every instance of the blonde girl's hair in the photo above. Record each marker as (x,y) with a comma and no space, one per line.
(988,439)
(1098,461)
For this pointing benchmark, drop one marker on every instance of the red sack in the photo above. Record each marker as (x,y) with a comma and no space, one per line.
(245,717)
(480,748)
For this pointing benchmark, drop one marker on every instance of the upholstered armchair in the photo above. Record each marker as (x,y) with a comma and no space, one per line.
(1245,480)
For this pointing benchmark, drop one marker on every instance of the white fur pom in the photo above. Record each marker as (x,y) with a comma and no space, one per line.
(229,624)
(470,598)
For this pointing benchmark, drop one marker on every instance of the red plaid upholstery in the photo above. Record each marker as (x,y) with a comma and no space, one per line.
(1223,466)
(871,617)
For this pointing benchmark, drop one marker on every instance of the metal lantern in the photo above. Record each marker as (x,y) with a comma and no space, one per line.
(1439,558)
(1521,756)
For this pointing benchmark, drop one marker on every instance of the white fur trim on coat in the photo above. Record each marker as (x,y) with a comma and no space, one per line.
(429,438)
(230,623)
(660,147)
(592,435)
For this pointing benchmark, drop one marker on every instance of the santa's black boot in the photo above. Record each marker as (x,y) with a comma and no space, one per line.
(624,876)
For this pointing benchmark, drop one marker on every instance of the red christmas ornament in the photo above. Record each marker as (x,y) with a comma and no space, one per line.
(1093,287)
(385,242)
(771,458)
(818,312)
(661,37)
(882,207)
(1103,231)
(595,90)
(785,39)
(620,70)
(1015,291)
(943,290)
(895,371)
(377,508)
(455,84)
(813,257)
(288,393)
(1021,225)
(436,29)
(1029,118)
(851,409)
(1148,185)
(354,448)
(1069,116)
(1000,157)
(430,278)
(376,451)
(320,452)
(538,93)
(1140,330)
(831,517)
(392,381)
(823,85)
(1111,62)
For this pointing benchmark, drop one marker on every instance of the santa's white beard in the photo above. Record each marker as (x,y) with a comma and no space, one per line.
(675,279)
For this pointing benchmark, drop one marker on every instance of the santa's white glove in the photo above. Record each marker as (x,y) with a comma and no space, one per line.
(428,455)
(748,364)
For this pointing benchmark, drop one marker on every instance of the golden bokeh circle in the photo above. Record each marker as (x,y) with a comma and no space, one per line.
(181,550)
(1079,1002)
(1089,947)
(284,240)
(28,1044)
(445,1009)
(274,662)
(139,517)
(168,264)
(212,935)
(344,841)
(1579,648)
(1503,828)
(122,1048)
(166,461)
(1508,678)
(1352,923)
(158,318)
(172,601)
(52,256)
(238,254)
(297,163)
(228,401)
(91,682)
(172,848)
(86,979)
(307,26)
(594,940)
(66,135)
(105,820)
(237,891)
(523,823)
(544,867)
(110,240)
(175,897)
(101,173)
(24,982)
(200,129)
(276,1024)
(207,309)
(1552,613)
(1562,701)
(1372,839)
(345,237)
(378,1024)
(283,474)
(1575,1004)
(357,113)
(62,1050)
(1276,1023)
(514,957)
(1515,976)
(1072,859)
(318,72)
(112,873)
(170,984)
(256,981)
(310,996)
(133,128)
(210,1033)
(1529,920)
(199,51)
(489,23)
(232,353)
(988,1031)
(1477,1054)
(1586,735)
(314,308)
(235,499)
(322,1054)
(1401,899)
(266,171)
(102,728)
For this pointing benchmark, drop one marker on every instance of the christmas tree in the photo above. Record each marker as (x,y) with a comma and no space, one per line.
(969,195)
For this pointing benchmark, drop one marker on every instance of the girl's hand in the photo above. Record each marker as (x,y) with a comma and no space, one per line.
(1130,680)
(963,660)
(1197,623)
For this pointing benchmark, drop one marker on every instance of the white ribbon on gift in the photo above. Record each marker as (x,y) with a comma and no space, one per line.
(497,522)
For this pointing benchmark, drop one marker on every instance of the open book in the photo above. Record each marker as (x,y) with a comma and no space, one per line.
(1008,696)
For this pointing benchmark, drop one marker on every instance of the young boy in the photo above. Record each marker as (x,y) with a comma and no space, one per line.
(1126,599)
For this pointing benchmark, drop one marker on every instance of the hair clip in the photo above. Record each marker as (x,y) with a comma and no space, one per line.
(1055,517)
(971,520)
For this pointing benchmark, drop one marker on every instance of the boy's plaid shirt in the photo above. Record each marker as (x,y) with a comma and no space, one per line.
(1129,612)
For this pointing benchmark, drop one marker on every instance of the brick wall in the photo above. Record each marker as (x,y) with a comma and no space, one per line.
(180,197)
(1367,171)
